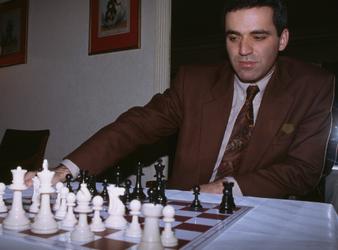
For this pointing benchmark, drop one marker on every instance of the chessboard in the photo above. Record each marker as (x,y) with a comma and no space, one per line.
(194,230)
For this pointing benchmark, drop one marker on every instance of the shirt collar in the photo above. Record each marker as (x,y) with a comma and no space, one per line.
(261,83)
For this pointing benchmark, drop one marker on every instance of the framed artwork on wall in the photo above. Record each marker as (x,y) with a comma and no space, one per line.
(13,32)
(114,25)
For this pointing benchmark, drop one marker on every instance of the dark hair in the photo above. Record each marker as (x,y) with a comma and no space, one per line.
(280,17)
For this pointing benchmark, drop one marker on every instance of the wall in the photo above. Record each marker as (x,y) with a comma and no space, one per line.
(65,90)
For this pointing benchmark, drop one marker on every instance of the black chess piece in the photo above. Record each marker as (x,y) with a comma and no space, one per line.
(138,193)
(80,178)
(227,203)
(160,183)
(196,204)
(104,193)
(117,175)
(126,198)
(68,182)
(152,195)
(92,185)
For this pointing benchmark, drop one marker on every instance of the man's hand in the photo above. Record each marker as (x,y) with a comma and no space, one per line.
(213,187)
(59,176)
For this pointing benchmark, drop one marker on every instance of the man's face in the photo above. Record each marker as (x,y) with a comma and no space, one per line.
(252,42)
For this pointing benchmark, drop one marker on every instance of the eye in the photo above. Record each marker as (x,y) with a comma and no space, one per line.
(232,37)
(259,37)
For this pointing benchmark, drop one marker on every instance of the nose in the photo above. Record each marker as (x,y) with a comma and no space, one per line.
(245,47)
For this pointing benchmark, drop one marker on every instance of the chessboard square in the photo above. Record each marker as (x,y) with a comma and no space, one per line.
(120,236)
(173,224)
(177,203)
(183,234)
(213,216)
(192,227)
(187,213)
(182,218)
(66,237)
(106,232)
(209,205)
(203,221)
(200,210)
(106,243)
(45,236)
(213,211)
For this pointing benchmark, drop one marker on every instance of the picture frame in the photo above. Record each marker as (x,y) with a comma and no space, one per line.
(13,32)
(114,25)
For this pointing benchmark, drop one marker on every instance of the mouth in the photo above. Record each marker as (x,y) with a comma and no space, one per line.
(247,64)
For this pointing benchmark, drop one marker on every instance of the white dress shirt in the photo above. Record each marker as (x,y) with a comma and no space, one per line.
(237,103)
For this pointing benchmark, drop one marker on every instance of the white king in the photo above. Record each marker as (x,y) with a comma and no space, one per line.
(46,177)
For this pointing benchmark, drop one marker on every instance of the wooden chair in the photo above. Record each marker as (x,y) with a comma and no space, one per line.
(25,148)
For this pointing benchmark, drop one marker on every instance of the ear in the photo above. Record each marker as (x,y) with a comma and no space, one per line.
(283,39)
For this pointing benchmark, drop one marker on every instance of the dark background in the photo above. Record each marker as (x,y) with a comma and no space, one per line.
(198,32)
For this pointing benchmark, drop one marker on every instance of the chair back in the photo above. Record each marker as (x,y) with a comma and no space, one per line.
(25,148)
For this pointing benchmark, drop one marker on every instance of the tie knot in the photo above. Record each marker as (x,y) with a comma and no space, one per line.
(251,92)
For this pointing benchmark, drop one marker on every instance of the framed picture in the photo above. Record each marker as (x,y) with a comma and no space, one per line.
(13,32)
(114,25)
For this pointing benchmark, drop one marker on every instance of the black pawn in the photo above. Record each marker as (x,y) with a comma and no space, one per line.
(104,193)
(152,195)
(80,178)
(127,196)
(138,193)
(92,185)
(117,175)
(196,204)
(68,182)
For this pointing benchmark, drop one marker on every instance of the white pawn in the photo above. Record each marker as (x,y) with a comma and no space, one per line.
(168,237)
(69,221)
(82,231)
(134,229)
(61,212)
(34,208)
(3,207)
(97,225)
(57,203)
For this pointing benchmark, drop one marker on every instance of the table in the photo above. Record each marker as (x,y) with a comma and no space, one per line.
(271,224)
(331,187)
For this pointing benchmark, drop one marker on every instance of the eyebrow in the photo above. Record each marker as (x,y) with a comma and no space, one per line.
(255,32)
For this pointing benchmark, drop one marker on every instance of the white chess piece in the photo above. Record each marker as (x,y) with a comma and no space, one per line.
(44,222)
(57,203)
(134,229)
(61,212)
(116,209)
(151,238)
(3,207)
(34,208)
(168,236)
(69,221)
(17,218)
(97,225)
(82,230)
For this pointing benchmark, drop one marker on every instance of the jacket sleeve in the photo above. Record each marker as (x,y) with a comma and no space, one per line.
(138,126)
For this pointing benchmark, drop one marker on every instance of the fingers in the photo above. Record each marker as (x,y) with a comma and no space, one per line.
(28,178)
(214,187)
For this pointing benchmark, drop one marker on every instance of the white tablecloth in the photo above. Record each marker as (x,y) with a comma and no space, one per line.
(271,224)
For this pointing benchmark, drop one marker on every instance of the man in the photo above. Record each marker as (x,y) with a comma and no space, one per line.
(288,117)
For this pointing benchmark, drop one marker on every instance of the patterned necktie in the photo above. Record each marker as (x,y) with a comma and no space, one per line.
(240,136)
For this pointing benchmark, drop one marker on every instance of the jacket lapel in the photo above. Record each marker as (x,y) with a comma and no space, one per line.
(273,110)
(216,109)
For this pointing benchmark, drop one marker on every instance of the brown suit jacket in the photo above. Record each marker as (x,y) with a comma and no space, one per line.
(285,154)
